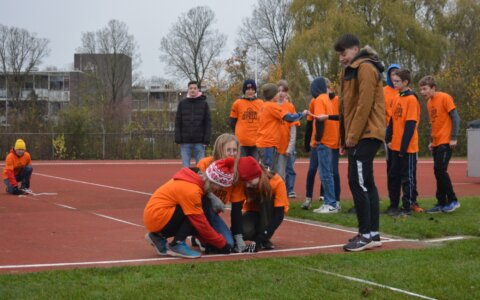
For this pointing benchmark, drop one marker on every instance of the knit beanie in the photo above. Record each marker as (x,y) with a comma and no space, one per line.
(269,90)
(20,145)
(221,171)
(248,168)
(318,87)
(249,84)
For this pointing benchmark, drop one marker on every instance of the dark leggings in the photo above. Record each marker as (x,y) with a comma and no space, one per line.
(179,227)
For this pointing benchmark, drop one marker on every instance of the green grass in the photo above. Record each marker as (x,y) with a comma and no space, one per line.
(464,221)
(446,271)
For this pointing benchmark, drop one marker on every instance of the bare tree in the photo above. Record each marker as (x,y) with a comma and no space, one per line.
(113,56)
(20,52)
(268,31)
(192,44)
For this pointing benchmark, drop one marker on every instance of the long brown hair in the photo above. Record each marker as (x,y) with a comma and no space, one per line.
(263,191)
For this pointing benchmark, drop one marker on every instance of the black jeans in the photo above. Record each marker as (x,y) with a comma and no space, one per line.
(179,227)
(255,222)
(441,158)
(362,184)
(402,176)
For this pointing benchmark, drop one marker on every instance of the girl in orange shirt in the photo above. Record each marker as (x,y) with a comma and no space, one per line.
(175,210)
(226,145)
(266,204)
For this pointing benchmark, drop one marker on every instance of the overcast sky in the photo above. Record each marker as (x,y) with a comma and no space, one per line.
(62,22)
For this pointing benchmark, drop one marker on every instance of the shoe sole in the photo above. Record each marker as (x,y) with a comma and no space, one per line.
(452,210)
(377,244)
(326,212)
(365,247)
(176,254)
(149,240)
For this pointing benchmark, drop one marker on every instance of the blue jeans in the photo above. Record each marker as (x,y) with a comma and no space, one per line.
(290,172)
(312,171)
(186,152)
(217,223)
(23,176)
(325,156)
(336,174)
(268,157)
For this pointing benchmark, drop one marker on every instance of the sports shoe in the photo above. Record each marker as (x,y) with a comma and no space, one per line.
(377,242)
(450,207)
(292,195)
(434,210)
(196,243)
(416,208)
(358,243)
(181,249)
(26,190)
(306,203)
(267,245)
(326,209)
(158,242)
(391,210)
(321,198)
(402,212)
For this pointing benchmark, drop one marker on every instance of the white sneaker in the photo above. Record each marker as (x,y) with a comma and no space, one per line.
(27,191)
(326,209)
(306,203)
(321,198)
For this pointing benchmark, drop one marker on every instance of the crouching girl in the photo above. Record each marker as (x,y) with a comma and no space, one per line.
(175,210)
(266,204)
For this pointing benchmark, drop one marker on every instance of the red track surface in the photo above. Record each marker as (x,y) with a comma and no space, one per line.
(93,215)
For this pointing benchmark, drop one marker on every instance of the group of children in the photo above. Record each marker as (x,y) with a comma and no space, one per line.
(253,169)
(259,157)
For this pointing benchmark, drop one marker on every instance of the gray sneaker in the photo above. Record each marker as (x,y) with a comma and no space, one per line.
(306,204)
(158,242)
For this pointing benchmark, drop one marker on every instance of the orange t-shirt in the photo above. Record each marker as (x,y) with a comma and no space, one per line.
(279,192)
(405,109)
(246,113)
(271,115)
(439,106)
(313,143)
(285,128)
(331,128)
(231,194)
(162,203)
(15,163)
(389,94)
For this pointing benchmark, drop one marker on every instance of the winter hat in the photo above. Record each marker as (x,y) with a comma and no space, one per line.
(318,87)
(248,168)
(269,90)
(249,84)
(221,171)
(20,145)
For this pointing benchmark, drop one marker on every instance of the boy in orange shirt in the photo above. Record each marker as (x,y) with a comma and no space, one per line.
(402,140)
(445,123)
(389,93)
(244,118)
(271,117)
(175,210)
(326,133)
(18,168)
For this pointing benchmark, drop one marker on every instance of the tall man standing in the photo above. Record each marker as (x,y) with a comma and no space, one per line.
(193,125)
(362,131)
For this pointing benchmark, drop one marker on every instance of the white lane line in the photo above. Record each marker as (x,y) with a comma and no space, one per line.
(94,184)
(446,239)
(166,258)
(371,283)
(328,227)
(115,219)
(65,206)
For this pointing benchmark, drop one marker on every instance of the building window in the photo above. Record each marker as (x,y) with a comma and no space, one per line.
(56,83)
(66,83)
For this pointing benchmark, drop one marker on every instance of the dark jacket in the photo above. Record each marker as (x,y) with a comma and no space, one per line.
(193,124)
(362,107)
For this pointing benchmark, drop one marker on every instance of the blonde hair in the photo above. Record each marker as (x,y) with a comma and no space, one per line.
(219,150)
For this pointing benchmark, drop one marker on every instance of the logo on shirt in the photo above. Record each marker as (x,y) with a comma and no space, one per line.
(249,115)
(397,114)
(433,114)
